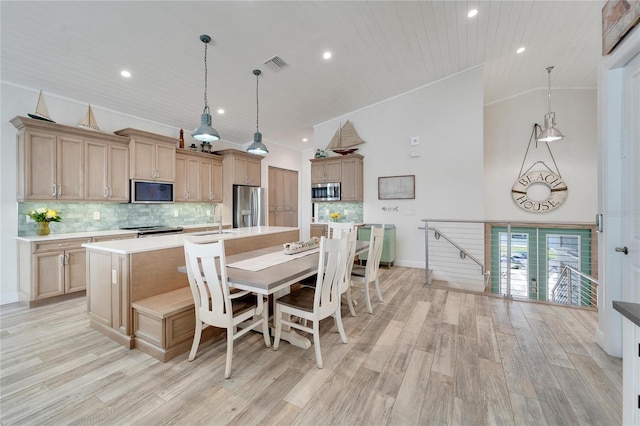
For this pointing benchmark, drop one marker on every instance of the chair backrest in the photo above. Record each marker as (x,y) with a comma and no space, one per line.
(352,238)
(331,267)
(207,272)
(338,229)
(375,252)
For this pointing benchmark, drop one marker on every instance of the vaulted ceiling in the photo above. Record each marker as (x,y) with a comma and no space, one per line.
(76,49)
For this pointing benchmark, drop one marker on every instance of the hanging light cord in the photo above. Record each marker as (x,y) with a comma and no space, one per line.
(257,103)
(206,107)
(549,86)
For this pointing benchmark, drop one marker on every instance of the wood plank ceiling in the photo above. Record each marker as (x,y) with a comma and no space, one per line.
(380,49)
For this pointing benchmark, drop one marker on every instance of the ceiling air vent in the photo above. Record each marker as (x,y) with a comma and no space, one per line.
(276,63)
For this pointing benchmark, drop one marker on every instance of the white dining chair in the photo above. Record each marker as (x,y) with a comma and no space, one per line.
(215,305)
(337,229)
(316,303)
(370,273)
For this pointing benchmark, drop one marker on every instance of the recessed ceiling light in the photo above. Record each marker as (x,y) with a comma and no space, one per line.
(220,111)
(326,55)
(304,139)
(520,50)
(472,13)
(125,73)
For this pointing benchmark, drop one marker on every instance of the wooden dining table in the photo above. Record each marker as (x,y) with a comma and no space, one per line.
(276,280)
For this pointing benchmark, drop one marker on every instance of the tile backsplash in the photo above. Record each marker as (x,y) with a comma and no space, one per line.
(79,217)
(349,212)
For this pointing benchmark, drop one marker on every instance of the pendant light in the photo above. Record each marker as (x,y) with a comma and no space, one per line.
(257,147)
(550,133)
(204,132)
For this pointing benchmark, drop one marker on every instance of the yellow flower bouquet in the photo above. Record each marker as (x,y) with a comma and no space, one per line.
(44,215)
(335,216)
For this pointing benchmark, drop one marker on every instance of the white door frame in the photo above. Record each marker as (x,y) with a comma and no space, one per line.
(610,122)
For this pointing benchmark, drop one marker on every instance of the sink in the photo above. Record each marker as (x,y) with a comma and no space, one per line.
(214,232)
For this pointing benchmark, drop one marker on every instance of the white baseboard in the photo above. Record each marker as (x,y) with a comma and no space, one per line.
(7,298)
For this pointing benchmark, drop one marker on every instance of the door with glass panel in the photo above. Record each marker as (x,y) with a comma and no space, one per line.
(537,259)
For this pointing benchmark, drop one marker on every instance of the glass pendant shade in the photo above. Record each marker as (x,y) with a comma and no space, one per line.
(257,147)
(549,133)
(204,132)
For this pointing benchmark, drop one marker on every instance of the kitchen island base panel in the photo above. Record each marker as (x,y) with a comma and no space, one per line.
(53,299)
(118,280)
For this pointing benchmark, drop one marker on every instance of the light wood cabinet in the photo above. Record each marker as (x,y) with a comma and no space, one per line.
(351,183)
(53,166)
(57,162)
(318,230)
(106,171)
(211,171)
(153,157)
(50,269)
(241,168)
(283,197)
(346,169)
(326,170)
(198,177)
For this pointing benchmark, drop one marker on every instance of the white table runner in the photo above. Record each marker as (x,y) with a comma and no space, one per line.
(268,260)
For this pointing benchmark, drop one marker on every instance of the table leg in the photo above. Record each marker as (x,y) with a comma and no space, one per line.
(289,334)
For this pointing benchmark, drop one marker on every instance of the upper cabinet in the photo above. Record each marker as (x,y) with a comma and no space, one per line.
(346,169)
(52,162)
(106,171)
(153,157)
(241,168)
(198,177)
(326,170)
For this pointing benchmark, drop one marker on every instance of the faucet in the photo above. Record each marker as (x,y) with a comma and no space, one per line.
(219,218)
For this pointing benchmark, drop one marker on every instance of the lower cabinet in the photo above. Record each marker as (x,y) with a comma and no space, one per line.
(51,269)
(318,230)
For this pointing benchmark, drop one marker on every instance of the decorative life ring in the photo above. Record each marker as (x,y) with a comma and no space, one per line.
(557,196)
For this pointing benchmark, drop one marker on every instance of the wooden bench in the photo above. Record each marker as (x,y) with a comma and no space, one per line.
(163,325)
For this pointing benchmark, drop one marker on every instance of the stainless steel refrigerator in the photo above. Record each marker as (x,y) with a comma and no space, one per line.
(248,206)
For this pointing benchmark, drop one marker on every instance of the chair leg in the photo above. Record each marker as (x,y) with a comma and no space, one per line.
(196,340)
(337,318)
(227,367)
(378,290)
(316,342)
(350,302)
(367,298)
(277,318)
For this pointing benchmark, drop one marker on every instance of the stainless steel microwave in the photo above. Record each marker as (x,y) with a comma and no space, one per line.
(150,192)
(325,191)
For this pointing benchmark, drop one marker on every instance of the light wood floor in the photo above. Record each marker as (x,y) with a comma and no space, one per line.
(426,356)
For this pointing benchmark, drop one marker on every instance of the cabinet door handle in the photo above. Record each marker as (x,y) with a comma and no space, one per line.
(59,191)
(61,257)
(110,192)
(53,190)
(63,244)
(106,192)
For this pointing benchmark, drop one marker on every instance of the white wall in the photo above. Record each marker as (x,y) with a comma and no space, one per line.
(447,117)
(17,100)
(507,128)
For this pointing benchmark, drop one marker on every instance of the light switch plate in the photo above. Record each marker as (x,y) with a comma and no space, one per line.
(96,215)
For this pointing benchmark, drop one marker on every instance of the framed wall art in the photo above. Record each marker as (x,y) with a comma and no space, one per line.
(397,187)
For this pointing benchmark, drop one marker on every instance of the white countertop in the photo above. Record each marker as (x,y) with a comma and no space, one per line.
(89,234)
(140,245)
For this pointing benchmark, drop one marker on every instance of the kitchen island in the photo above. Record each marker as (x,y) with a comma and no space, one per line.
(144,272)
